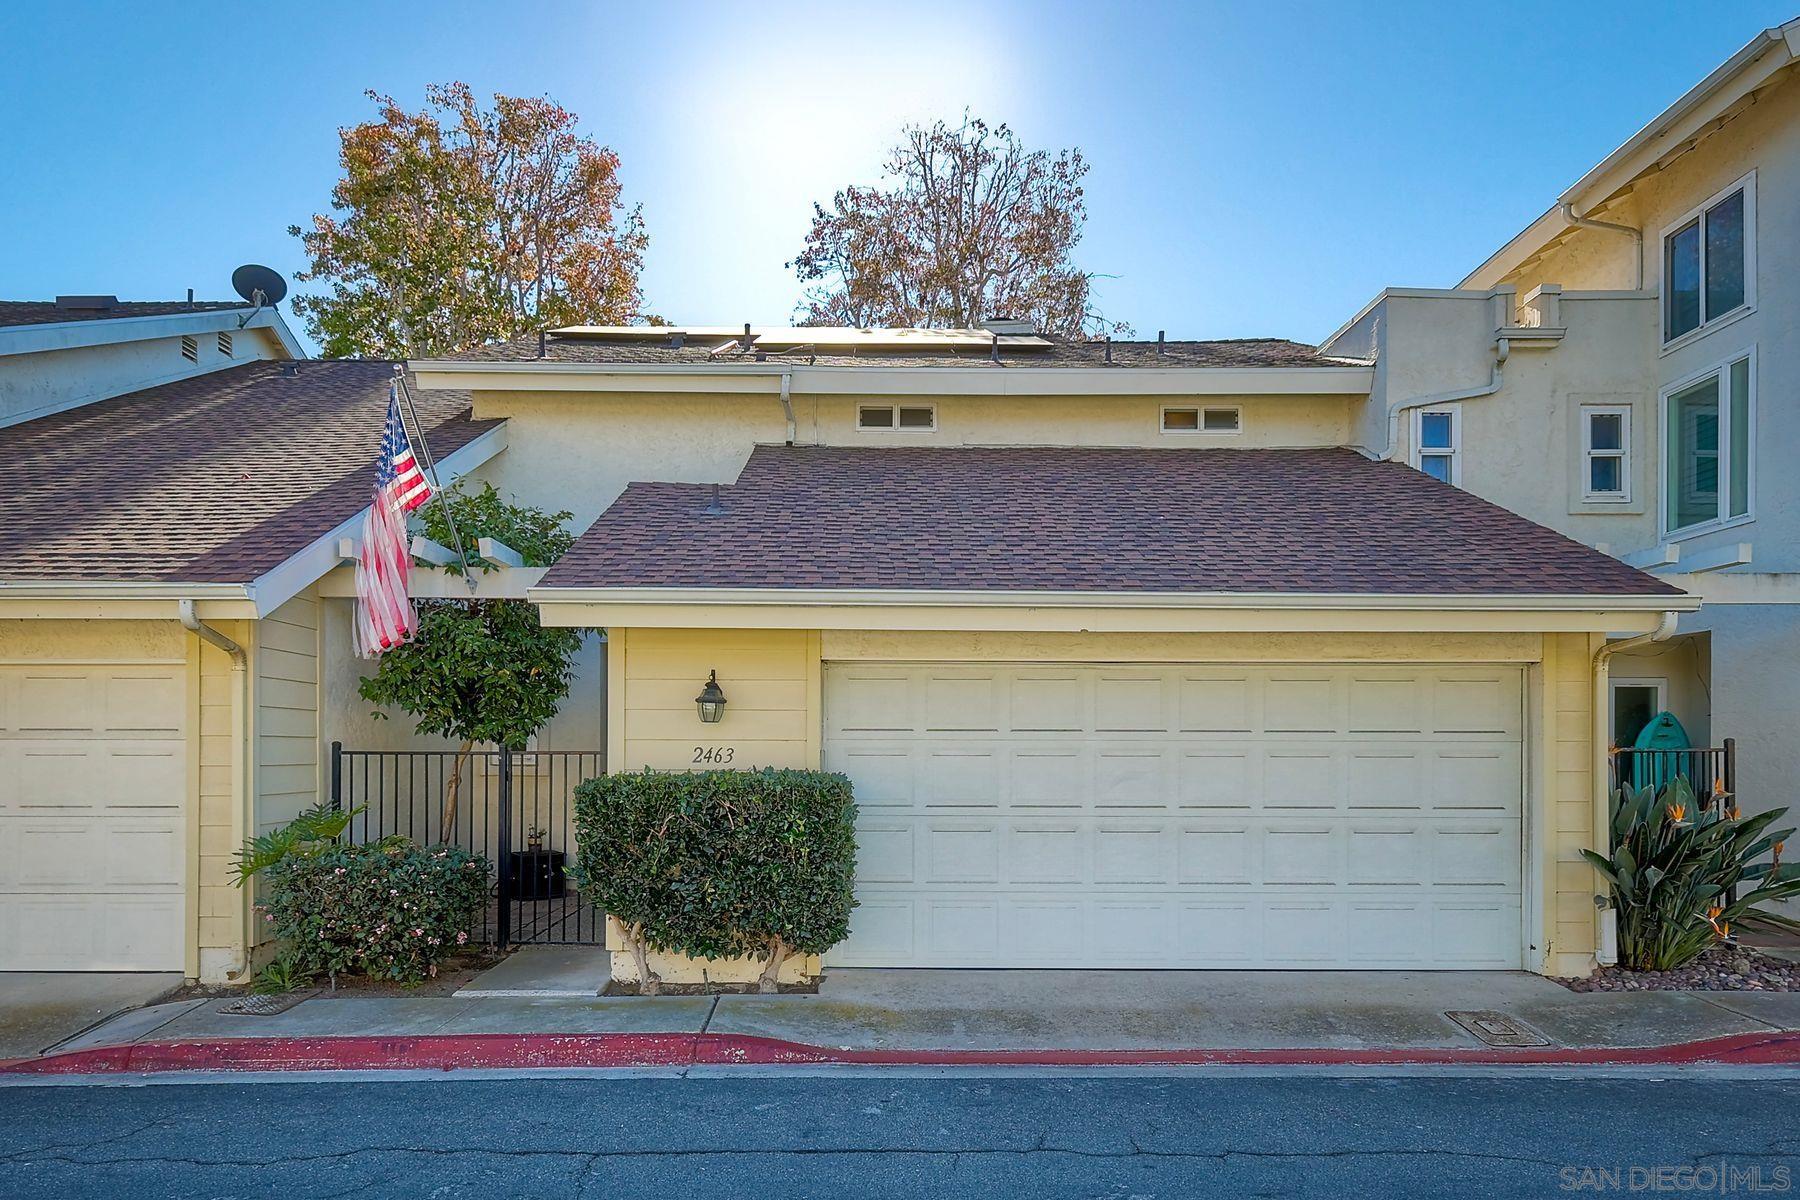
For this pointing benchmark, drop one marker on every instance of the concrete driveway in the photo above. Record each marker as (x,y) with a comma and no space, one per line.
(39,1009)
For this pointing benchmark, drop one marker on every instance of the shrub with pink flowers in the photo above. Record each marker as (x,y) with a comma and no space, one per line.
(390,909)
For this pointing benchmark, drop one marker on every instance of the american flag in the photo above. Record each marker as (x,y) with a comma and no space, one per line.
(385,616)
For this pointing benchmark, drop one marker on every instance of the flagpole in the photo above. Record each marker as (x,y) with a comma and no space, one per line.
(423,451)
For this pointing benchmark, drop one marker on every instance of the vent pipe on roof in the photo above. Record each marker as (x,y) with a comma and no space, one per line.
(543,342)
(1159,341)
(994,349)
(677,339)
(190,297)
(717,507)
(1109,349)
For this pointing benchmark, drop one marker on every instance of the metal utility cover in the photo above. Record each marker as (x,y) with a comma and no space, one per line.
(1496,1028)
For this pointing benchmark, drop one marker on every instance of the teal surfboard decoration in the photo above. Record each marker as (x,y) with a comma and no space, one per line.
(1663,732)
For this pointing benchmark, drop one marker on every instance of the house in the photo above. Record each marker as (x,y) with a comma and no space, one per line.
(1244,654)
(1133,659)
(176,485)
(1622,371)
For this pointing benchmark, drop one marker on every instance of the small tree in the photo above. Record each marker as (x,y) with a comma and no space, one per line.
(481,670)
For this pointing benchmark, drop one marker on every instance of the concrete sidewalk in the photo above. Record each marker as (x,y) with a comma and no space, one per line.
(1030,1011)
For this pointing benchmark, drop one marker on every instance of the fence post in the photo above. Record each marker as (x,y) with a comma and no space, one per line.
(503,850)
(337,777)
(1731,768)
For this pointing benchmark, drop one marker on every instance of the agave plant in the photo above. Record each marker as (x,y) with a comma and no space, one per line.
(1682,873)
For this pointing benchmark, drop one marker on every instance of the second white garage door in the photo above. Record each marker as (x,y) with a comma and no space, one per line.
(93,818)
(1170,816)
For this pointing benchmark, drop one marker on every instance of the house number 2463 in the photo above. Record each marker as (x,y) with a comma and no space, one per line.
(716,755)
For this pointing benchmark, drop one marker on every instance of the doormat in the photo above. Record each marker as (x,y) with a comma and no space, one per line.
(1497,1029)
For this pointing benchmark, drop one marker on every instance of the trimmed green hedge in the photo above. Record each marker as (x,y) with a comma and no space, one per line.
(721,864)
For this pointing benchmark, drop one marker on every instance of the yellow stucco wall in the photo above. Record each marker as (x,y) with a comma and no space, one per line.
(775,713)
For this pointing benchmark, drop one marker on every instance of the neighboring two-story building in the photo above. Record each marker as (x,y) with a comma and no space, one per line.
(1155,654)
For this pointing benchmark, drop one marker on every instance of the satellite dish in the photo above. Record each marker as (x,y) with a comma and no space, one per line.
(258,285)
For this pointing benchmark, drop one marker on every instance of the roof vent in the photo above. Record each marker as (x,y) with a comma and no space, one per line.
(290,368)
(1009,326)
(87,303)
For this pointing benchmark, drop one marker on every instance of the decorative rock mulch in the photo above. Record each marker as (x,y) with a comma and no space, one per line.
(1720,969)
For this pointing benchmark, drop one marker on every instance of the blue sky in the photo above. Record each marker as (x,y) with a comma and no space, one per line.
(1257,169)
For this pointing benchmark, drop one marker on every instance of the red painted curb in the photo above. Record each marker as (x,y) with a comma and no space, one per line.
(537,1050)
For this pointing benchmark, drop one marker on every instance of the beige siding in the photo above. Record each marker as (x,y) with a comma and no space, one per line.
(287,712)
(1572,919)
(770,679)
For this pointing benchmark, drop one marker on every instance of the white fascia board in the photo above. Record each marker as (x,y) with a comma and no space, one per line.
(75,335)
(1317,601)
(1006,380)
(121,589)
(1734,554)
(1742,73)
(300,570)
(1746,587)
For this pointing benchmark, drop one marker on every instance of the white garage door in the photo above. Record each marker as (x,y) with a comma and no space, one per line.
(92,818)
(1167,816)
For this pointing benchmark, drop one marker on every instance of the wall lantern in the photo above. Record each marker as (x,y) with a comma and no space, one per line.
(711,700)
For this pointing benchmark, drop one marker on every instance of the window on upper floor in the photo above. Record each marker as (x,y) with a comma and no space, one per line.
(1708,434)
(902,418)
(1606,452)
(1437,443)
(1221,419)
(1709,261)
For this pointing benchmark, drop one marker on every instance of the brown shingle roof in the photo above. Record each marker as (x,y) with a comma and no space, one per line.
(1241,352)
(1046,519)
(47,312)
(213,479)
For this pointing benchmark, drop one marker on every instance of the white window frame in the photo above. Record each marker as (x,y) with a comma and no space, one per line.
(1589,454)
(1708,321)
(1453,452)
(1722,371)
(896,426)
(1659,685)
(1200,411)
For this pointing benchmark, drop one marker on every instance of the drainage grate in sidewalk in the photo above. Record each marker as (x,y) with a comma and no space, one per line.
(267,1006)
(1496,1028)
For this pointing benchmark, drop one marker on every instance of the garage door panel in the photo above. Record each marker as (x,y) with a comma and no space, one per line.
(870,700)
(1132,777)
(1040,853)
(1133,854)
(93,817)
(1048,702)
(962,853)
(1049,777)
(1293,816)
(1222,778)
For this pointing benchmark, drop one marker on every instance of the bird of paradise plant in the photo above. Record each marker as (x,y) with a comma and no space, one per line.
(1679,884)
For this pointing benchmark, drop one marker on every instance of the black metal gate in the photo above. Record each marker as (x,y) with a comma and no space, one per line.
(516,808)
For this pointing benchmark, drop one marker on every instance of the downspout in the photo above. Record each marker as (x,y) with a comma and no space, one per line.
(787,405)
(207,633)
(1637,235)
(1502,349)
(240,750)
(1601,766)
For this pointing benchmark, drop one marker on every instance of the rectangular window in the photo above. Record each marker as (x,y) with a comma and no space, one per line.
(1709,261)
(1605,452)
(1708,435)
(1437,441)
(909,418)
(1202,420)
(1634,703)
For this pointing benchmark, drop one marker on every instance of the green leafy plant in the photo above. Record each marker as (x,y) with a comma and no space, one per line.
(720,864)
(287,972)
(481,670)
(1674,866)
(395,911)
(312,829)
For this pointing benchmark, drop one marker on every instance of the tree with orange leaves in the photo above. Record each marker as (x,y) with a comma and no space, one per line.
(459,225)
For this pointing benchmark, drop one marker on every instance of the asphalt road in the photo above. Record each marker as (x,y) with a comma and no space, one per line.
(909,1135)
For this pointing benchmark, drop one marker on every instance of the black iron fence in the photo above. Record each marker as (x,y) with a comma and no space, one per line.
(516,808)
(1708,769)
